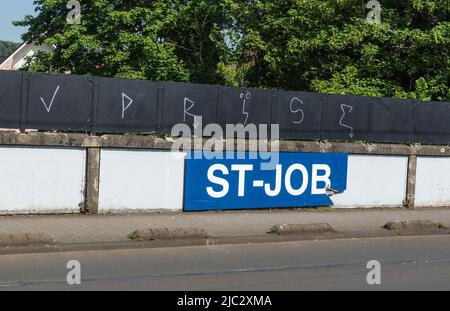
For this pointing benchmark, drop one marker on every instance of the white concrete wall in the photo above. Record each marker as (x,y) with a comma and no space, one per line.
(433,182)
(150,180)
(34,180)
(374,181)
(141,180)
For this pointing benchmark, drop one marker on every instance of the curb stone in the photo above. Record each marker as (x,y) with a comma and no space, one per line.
(150,234)
(301,228)
(134,244)
(413,225)
(26,239)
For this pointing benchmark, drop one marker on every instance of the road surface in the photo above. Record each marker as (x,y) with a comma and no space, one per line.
(409,263)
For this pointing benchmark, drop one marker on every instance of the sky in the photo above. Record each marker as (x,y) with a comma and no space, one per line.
(13,10)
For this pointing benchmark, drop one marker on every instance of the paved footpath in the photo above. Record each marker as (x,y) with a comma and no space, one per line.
(109,228)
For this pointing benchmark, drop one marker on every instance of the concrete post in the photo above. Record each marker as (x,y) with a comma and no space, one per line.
(92,180)
(411,183)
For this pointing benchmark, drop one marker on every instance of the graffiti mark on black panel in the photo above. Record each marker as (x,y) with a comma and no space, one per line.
(298,101)
(346,109)
(125,106)
(49,106)
(186,113)
(246,98)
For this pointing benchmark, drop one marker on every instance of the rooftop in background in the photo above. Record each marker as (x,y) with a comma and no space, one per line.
(18,58)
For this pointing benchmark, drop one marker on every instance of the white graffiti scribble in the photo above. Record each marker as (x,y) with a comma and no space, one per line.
(293,100)
(344,113)
(186,112)
(245,98)
(125,107)
(49,107)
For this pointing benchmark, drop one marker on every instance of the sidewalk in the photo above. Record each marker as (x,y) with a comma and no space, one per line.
(68,229)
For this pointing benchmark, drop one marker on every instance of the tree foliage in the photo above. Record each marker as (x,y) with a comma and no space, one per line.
(313,45)
(328,46)
(7,47)
(140,39)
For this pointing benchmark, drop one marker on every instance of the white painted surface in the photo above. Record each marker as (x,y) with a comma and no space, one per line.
(37,180)
(374,181)
(433,182)
(17,60)
(141,180)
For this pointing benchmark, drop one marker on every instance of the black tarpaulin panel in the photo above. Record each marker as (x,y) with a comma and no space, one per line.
(245,106)
(10,99)
(186,103)
(125,105)
(79,103)
(391,120)
(298,114)
(432,122)
(59,102)
(346,117)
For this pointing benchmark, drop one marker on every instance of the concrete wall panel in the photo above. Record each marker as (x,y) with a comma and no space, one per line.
(36,180)
(140,180)
(374,181)
(433,182)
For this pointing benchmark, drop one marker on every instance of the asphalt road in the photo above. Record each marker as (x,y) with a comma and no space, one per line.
(410,263)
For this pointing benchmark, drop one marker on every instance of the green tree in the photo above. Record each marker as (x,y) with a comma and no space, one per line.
(313,45)
(328,46)
(140,39)
(8,47)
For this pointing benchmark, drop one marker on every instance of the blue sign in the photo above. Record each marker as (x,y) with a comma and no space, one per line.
(296,180)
